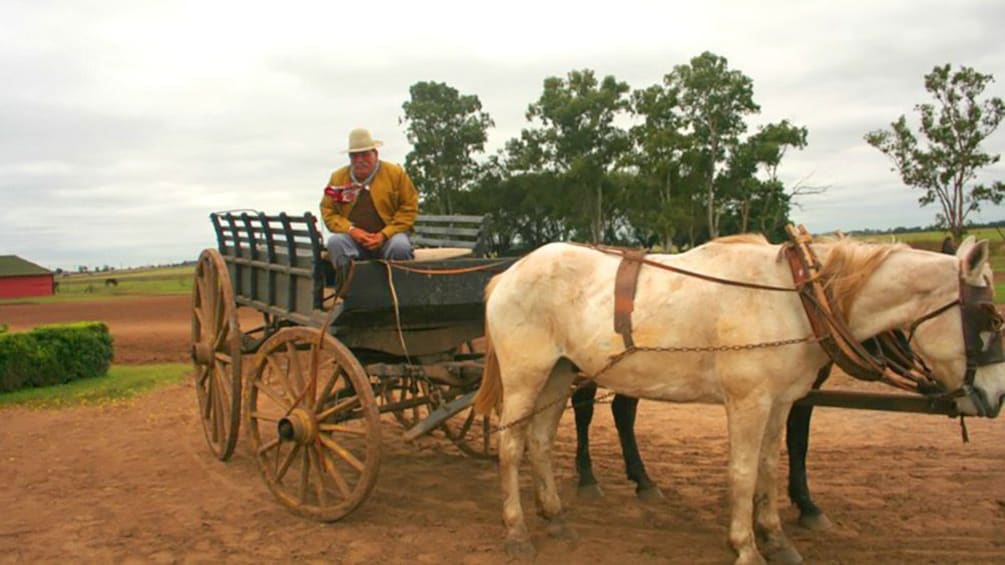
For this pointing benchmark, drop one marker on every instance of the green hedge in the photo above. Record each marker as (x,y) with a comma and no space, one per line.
(54,354)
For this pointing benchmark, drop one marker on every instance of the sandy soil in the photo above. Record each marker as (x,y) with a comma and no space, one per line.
(136,483)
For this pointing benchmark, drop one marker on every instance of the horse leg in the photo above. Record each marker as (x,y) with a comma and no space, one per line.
(512,441)
(797,440)
(541,438)
(624,409)
(582,405)
(747,420)
(768,525)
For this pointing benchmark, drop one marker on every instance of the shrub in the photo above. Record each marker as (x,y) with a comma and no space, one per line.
(54,354)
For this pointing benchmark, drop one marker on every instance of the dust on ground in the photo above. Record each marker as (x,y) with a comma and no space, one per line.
(136,483)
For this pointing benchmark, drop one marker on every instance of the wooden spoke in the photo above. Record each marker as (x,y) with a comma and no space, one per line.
(472,434)
(333,474)
(268,446)
(321,484)
(336,475)
(342,452)
(327,388)
(295,367)
(216,353)
(305,472)
(341,406)
(289,390)
(267,390)
(285,465)
(341,429)
(406,398)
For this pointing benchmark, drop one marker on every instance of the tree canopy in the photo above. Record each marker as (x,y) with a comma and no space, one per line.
(943,158)
(670,165)
(445,128)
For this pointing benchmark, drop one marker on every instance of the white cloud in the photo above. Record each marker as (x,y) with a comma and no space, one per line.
(125,123)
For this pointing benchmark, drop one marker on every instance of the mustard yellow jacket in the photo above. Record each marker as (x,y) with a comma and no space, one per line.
(394,196)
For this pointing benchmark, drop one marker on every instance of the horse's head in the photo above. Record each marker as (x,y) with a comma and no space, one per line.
(962,343)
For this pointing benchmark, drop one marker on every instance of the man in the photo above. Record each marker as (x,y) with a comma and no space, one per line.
(369,206)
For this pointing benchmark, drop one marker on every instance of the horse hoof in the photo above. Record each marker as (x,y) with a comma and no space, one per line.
(520,550)
(786,555)
(815,522)
(561,530)
(592,492)
(650,495)
(749,558)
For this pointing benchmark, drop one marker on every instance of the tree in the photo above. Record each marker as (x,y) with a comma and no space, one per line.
(713,102)
(659,195)
(577,140)
(761,201)
(444,128)
(953,129)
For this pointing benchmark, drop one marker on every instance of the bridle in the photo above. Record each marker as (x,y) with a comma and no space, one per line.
(888,357)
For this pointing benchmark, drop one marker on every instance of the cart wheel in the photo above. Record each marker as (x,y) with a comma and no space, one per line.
(408,391)
(473,434)
(216,353)
(313,424)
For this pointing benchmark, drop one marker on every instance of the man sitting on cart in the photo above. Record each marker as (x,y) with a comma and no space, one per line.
(369,206)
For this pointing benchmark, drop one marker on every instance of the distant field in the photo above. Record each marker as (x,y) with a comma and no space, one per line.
(132,282)
(932,240)
(178,280)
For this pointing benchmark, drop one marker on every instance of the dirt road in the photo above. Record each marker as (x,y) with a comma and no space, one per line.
(136,484)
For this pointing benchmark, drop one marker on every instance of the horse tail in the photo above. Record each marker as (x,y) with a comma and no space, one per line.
(490,391)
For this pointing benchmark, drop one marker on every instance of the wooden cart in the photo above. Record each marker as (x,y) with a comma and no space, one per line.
(334,351)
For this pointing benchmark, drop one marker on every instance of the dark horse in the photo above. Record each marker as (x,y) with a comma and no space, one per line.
(797,440)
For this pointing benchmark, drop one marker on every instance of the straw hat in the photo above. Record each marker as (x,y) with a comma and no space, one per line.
(361,140)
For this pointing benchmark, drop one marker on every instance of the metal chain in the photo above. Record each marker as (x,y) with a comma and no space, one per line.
(596,400)
(615,359)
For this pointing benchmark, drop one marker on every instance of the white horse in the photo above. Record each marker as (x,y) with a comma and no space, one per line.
(551,313)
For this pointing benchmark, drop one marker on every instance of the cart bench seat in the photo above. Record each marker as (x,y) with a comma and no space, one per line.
(277,266)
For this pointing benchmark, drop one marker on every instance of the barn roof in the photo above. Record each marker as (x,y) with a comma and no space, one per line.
(14,266)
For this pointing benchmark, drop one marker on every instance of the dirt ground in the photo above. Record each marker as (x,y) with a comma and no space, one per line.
(136,483)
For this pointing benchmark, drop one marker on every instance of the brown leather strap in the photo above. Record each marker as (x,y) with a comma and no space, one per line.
(625,284)
(833,333)
(611,250)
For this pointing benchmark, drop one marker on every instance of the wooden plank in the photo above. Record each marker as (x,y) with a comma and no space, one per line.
(887,402)
(420,295)
(436,242)
(449,231)
(454,218)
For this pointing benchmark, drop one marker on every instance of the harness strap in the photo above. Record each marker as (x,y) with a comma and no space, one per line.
(905,371)
(625,284)
(621,251)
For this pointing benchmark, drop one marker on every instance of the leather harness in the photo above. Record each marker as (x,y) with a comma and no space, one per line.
(886,357)
(626,282)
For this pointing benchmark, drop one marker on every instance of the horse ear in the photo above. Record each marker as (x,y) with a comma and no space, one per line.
(976,258)
(965,246)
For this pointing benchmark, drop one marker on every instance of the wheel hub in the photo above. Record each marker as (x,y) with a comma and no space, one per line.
(299,426)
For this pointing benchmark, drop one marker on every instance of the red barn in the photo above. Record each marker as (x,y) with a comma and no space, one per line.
(23,278)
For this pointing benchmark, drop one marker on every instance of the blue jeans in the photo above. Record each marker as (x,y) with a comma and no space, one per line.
(342,249)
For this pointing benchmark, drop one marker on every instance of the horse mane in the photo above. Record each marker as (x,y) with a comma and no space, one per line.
(848,265)
(743,238)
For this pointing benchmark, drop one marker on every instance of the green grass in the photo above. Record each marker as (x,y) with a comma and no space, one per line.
(121,382)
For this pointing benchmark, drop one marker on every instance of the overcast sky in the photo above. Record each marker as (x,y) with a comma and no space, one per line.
(123,124)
